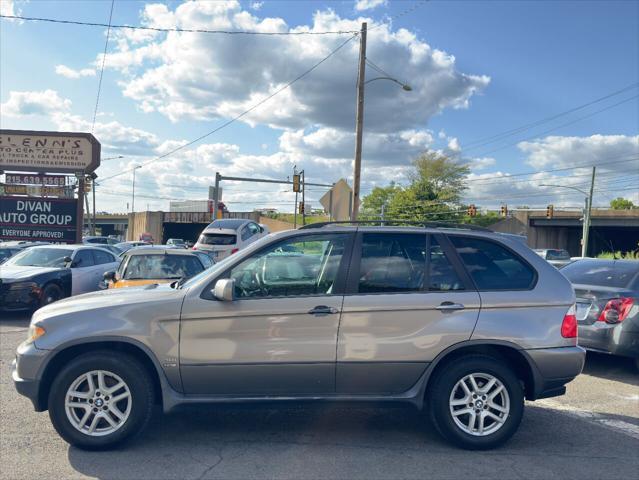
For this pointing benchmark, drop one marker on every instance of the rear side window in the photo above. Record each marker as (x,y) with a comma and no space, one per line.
(441,273)
(218,239)
(83,259)
(101,257)
(492,266)
(392,263)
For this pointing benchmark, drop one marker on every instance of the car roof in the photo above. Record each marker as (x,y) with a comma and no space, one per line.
(158,250)
(229,223)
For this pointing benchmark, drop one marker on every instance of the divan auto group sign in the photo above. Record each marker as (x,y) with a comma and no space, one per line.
(48,151)
(38,219)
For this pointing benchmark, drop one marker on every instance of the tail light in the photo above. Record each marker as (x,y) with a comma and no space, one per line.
(569,325)
(235,250)
(194,247)
(616,310)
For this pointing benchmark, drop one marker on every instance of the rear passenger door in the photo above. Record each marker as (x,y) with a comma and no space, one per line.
(407,299)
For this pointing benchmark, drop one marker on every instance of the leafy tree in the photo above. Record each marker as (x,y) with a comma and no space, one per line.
(434,193)
(621,203)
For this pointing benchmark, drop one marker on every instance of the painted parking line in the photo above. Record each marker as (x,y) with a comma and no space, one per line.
(626,428)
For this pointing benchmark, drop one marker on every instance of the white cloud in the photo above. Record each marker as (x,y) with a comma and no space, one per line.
(187,76)
(71,73)
(556,151)
(7,7)
(32,103)
(481,163)
(256,5)
(362,5)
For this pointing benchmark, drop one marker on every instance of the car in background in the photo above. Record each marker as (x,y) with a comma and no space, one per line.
(154,265)
(225,237)
(40,275)
(555,256)
(176,242)
(204,257)
(607,305)
(11,248)
(126,246)
(93,240)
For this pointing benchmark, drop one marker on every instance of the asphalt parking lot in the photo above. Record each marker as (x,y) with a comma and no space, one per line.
(592,432)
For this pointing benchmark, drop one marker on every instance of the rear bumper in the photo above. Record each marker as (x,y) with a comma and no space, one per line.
(553,368)
(617,339)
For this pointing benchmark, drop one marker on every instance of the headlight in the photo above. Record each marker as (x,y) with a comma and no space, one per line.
(23,285)
(35,332)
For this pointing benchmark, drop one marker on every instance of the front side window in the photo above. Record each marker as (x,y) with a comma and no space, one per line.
(83,259)
(296,267)
(392,263)
(245,233)
(161,267)
(492,266)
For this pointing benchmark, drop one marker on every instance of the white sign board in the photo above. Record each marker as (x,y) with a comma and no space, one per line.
(337,201)
(33,151)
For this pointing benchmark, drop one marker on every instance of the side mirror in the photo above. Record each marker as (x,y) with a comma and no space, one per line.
(68,261)
(109,276)
(224,289)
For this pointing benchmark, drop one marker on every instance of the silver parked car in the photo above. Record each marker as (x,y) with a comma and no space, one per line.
(557,257)
(465,323)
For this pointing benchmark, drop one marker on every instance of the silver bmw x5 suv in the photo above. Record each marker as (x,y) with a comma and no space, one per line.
(461,322)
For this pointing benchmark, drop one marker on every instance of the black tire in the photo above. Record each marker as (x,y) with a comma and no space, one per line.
(441,387)
(50,293)
(134,376)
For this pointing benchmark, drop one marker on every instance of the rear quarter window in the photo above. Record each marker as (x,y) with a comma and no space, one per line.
(493,266)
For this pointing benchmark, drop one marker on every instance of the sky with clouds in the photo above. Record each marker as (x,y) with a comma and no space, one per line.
(511,88)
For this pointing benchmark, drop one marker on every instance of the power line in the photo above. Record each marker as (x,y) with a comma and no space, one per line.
(499,136)
(245,112)
(174,29)
(106,44)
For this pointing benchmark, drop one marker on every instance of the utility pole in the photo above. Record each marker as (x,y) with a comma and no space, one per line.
(303,197)
(93,192)
(359,122)
(587,211)
(133,195)
(216,200)
(295,208)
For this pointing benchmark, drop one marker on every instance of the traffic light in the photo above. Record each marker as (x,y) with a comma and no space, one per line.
(301,208)
(296,183)
(503,211)
(87,184)
(550,211)
(472,210)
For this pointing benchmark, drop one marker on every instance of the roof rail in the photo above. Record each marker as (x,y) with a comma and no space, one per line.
(383,223)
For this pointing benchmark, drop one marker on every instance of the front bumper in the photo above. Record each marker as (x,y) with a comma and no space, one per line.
(553,368)
(18,299)
(617,339)
(26,372)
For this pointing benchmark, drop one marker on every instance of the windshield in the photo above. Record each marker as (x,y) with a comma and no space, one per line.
(162,267)
(557,255)
(41,257)
(5,253)
(217,239)
(608,274)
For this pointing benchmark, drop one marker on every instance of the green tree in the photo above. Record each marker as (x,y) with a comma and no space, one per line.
(372,203)
(621,203)
(434,193)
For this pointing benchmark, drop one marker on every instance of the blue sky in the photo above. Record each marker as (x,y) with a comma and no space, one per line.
(506,64)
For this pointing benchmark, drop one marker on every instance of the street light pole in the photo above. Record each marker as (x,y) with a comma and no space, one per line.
(133,190)
(359,121)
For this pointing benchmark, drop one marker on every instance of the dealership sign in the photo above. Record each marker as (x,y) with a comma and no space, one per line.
(31,179)
(33,151)
(38,219)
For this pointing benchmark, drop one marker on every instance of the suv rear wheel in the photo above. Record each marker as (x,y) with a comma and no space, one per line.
(476,402)
(98,401)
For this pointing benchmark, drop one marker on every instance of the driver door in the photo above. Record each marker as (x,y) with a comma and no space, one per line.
(82,272)
(279,335)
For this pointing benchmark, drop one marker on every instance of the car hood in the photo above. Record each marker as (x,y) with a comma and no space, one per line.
(14,273)
(110,299)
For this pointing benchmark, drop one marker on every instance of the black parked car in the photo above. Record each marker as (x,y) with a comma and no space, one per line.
(607,305)
(9,249)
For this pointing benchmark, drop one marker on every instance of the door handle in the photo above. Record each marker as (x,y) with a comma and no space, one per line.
(323,310)
(449,307)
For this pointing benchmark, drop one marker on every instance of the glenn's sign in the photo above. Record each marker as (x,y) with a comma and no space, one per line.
(32,151)
(52,220)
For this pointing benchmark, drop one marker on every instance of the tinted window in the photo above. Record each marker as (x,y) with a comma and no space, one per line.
(253,228)
(300,266)
(245,233)
(492,266)
(161,267)
(101,257)
(83,258)
(557,255)
(604,273)
(392,262)
(441,273)
(7,253)
(217,239)
(40,257)
(204,258)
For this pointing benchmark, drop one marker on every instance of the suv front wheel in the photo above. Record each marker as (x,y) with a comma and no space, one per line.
(99,400)
(476,402)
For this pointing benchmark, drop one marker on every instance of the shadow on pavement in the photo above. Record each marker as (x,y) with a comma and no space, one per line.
(15,319)
(611,367)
